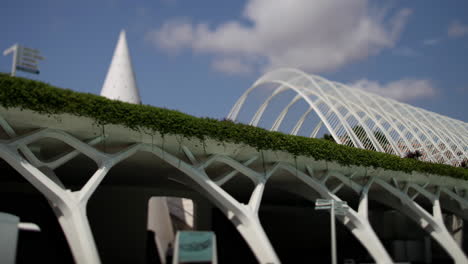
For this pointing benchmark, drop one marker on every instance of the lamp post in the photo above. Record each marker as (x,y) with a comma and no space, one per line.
(335,207)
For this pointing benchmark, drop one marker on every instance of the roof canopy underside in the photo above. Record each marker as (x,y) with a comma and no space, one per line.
(118,137)
(361,119)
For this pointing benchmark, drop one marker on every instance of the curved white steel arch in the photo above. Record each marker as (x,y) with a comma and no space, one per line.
(341,109)
(430,123)
(371,134)
(384,117)
(301,90)
(236,108)
(411,115)
(392,121)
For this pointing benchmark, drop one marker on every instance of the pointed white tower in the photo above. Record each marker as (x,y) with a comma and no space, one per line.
(120,81)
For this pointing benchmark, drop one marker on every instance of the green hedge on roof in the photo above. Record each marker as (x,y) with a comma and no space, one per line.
(46,99)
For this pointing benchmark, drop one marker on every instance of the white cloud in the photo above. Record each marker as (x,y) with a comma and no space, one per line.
(402,90)
(313,35)
(173,35)
(457,29)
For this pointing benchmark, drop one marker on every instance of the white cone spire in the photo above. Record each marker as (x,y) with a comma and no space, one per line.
(120,81)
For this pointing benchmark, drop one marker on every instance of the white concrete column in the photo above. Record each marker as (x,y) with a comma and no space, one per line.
(69,207)
(75,225)
(444,237)
(252,231)
(363,231)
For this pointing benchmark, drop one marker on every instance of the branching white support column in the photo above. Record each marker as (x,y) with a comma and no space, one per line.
(357,222)
(444,235)
(244,217)
(253,230)
(432,223)
(256,197)
(69,207)
(74,222)
(436,228)
(70,211)
(363,208)
(71,215)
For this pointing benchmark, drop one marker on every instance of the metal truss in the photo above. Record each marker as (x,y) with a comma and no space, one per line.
(341,109)
(70,206)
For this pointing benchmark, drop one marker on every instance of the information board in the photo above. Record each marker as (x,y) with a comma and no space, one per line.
(195,246)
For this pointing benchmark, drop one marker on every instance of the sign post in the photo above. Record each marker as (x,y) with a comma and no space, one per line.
(333,231)
(24,59)
(335,207)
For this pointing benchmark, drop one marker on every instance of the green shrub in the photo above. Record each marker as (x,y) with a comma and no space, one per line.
(46,99)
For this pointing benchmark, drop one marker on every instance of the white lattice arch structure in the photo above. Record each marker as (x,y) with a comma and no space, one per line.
(342,109)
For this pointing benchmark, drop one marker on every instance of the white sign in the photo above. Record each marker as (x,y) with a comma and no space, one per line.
(24,59)
(325,204)
(340,211)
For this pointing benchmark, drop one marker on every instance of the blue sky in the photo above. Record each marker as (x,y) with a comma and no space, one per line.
(200,56)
